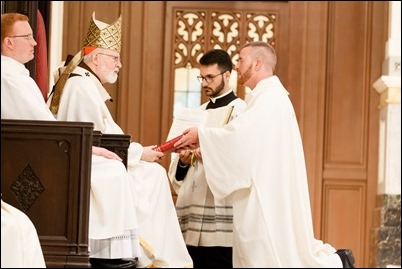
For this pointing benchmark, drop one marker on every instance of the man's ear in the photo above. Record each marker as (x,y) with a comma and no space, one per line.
(8,42)
(95,59)
(258,64)
(226,75)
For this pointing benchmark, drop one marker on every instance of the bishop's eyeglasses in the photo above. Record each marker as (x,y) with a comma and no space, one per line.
(208,78)
(115,58)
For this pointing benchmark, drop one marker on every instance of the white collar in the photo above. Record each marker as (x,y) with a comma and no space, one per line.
(213,99)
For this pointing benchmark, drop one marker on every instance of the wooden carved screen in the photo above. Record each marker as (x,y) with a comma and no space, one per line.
(202,26)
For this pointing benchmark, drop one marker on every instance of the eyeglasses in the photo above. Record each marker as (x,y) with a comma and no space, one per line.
(208,78)
(115,58)
(27,37)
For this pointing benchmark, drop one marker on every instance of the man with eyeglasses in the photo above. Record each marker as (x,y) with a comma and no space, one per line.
(20,37)
(113,235)
(206,221)
(26,37)
(16,227)
(82,97)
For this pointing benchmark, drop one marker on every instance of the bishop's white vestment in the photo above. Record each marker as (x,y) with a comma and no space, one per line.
(83,99)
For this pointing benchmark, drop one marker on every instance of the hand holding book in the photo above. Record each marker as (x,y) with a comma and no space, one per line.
(183,133)
(189,139)
(168,145)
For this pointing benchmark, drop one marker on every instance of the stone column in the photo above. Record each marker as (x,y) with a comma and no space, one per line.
(385,245)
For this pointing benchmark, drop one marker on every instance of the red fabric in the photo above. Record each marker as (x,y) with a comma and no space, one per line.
(41,69)
(88,50)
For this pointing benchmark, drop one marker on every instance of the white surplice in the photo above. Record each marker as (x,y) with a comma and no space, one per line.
(258,160)
(20,247)
(112,205)
(83,99)
(205,220)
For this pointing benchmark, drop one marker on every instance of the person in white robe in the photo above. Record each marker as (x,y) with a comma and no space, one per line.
(206,221)
(257,159)
(112,221)
(82,98)
(20,246)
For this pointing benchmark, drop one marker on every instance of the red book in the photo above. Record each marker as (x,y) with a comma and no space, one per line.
(168,145)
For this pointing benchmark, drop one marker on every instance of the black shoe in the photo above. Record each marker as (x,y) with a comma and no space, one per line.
(113,263)
(348,260)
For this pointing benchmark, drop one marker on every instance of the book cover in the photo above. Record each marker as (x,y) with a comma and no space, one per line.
(191,117)
(168,145)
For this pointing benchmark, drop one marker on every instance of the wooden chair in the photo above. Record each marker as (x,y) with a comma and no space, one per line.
(45,172)
(117,143)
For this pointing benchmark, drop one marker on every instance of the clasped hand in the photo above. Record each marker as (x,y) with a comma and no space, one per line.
(190,156)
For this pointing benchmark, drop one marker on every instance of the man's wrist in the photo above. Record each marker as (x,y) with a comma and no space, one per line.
(183,165)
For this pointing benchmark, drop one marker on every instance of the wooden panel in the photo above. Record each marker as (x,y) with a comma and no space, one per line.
(45,171)
(346,228)
(141,79)
(347,85)
(356,46)
(306,71)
